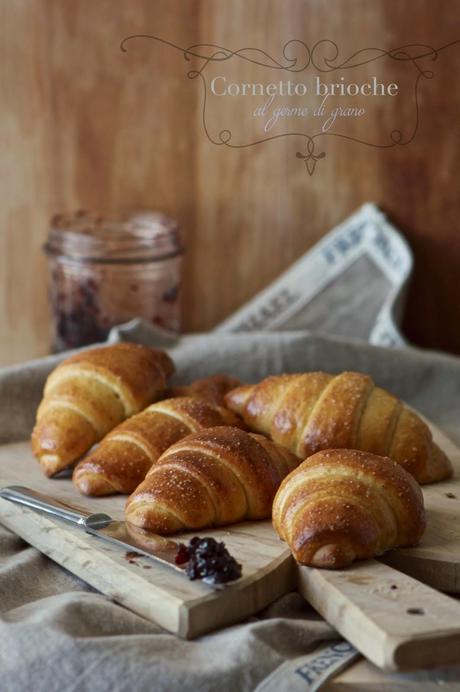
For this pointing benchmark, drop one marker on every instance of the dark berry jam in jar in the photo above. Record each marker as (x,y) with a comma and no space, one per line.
(105,272)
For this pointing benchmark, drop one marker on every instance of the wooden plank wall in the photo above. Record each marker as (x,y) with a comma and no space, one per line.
(83,125)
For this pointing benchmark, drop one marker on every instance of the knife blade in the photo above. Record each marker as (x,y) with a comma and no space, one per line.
(102,526)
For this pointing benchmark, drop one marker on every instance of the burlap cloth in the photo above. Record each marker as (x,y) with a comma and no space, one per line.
(57,634)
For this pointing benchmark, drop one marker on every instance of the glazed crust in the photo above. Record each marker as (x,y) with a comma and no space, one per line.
(213,388)
(314,411)
(124,456)
(215,477)
(340,505)
(89,394)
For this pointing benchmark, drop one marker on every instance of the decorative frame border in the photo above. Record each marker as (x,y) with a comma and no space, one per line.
(324,57)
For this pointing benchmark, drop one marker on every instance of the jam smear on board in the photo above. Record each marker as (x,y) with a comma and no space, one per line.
(210,561)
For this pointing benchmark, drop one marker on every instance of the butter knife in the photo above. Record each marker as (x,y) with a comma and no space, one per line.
(102,526)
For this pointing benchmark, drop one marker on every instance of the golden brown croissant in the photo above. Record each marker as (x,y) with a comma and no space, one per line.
(124,456)
(314,411)
(340,505)
(89,394)
(215,477)
(212,388)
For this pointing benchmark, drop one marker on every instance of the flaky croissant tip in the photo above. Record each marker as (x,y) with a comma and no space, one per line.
(236,399)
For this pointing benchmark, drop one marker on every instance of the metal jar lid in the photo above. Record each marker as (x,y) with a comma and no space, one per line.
(143,236)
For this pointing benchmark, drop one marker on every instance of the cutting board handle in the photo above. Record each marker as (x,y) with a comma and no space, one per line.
(395,621)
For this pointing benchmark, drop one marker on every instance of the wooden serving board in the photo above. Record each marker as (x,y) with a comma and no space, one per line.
(155,591)
(381,611)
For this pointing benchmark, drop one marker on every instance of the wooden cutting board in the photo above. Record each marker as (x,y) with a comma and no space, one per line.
(380,610)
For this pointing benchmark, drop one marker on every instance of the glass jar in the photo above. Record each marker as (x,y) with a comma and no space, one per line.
(104,273)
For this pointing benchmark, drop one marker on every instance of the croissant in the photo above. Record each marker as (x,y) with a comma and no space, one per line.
(124,456)
(340,505)
(212,388)
(89,394)
(215,477)
(314,411)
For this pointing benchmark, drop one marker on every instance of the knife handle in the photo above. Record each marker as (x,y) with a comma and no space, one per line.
(47,505)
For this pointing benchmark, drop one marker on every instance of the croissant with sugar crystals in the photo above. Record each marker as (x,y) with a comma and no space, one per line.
(90,393)
(215,477)
(124,456)
(212,388)
(340,505)
(313,411)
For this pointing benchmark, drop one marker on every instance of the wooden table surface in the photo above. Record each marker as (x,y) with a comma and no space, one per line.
(84,125)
